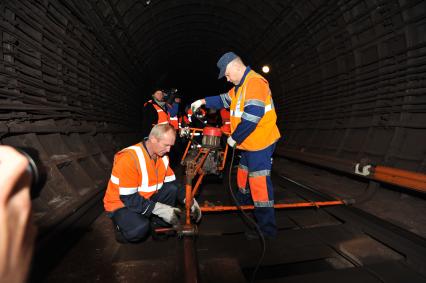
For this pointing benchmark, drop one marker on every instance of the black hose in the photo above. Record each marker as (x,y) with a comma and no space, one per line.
(249,220)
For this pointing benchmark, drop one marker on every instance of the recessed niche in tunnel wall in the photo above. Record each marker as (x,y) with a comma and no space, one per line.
(75,143)
(76,176)
(97,174)
(90,143)
(108,147)
(55,146)
(103,161)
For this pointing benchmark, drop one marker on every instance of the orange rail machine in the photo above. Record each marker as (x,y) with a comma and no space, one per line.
(209,157)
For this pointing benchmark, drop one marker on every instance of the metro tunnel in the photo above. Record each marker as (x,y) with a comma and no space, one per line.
(348,81)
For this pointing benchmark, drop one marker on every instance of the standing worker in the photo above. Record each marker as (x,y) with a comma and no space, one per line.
(154,112)
(254,132)
(142,192)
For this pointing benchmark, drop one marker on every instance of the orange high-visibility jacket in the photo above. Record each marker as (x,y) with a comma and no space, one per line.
(255,90)
(174,122)
(135,172)
(163,116)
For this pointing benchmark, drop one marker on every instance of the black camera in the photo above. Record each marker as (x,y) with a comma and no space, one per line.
(35,168)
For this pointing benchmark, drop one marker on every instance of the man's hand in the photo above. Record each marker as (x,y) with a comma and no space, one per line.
(18,232)
(231,142)
(197,104)
(167,213)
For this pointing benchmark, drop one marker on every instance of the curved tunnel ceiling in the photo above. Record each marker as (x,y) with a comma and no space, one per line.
(166,41)
(174,39)
(347,77)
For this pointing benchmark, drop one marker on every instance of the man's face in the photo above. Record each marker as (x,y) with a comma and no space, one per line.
(232,75)
(163,145)
(158,95)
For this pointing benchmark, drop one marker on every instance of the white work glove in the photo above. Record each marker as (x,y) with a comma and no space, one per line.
(231,142)
(195,210)
(196,104)
(167,213)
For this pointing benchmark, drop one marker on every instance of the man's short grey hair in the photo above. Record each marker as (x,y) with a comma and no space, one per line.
(160,129)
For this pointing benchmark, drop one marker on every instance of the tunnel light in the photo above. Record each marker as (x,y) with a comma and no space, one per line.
(265,69)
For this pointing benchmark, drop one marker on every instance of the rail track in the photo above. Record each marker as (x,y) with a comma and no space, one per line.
(326,244)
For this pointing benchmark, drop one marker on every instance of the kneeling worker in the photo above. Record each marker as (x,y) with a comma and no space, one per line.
(142,193)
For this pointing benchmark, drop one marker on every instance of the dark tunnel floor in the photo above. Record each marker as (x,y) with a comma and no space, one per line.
(333,244)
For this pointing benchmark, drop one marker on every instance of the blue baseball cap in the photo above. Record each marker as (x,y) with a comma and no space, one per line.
(224,61)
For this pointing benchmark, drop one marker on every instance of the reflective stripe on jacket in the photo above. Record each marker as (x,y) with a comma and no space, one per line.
(254,91)
(174,122)
(135,172)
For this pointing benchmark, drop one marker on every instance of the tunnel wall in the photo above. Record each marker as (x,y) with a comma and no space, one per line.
(350,80)
(348,77)
(64,92)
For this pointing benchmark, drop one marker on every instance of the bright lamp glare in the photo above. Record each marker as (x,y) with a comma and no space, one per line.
(265,69)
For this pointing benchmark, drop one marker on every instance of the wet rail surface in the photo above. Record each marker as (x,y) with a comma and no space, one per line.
(324,244)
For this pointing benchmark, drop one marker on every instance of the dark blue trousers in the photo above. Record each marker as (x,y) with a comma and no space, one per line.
(255,187)
(135,227)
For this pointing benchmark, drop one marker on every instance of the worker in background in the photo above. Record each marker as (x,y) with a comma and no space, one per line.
(18,231)
(254,132)
(173,114)
(173,101)
(154,112)
(142,192)
(173,104)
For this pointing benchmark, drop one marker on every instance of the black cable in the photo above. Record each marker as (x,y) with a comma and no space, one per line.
(249,220)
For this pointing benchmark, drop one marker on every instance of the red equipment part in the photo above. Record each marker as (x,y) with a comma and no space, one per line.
(211,137)
(212,131)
